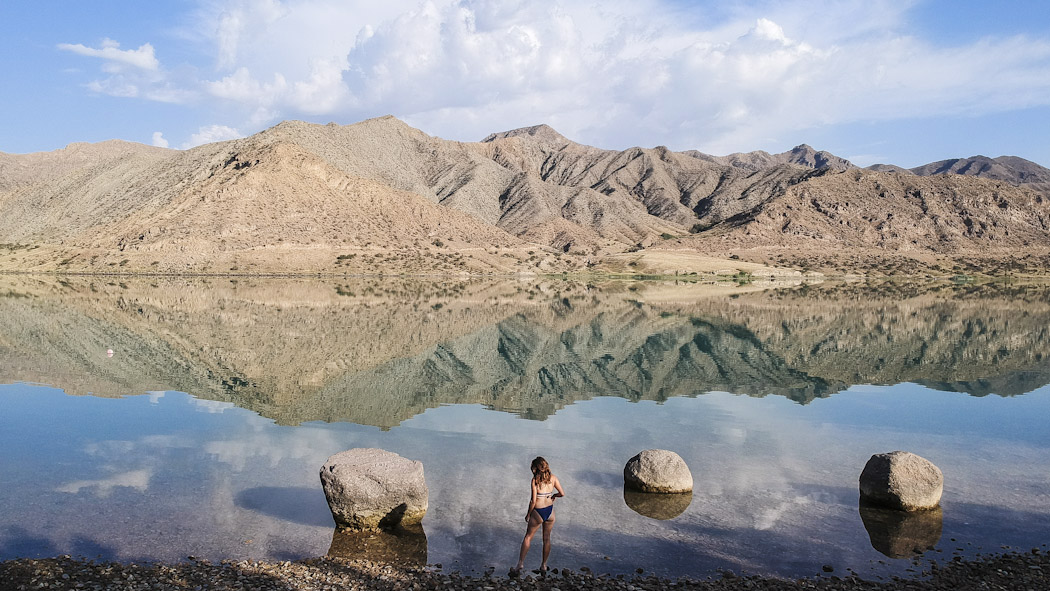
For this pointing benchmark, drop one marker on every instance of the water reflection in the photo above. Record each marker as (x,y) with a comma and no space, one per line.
(778,493)
(415,367)
(655,505)
(902,534)
(405,545)
(377,352)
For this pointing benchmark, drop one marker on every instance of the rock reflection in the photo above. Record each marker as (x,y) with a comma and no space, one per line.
(902,534)
(403,545)
(656,505)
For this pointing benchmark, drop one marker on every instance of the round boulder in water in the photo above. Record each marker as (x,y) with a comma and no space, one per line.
(901,480)
(657,471)
(370,488)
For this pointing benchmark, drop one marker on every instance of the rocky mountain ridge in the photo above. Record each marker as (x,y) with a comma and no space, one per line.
(381,196)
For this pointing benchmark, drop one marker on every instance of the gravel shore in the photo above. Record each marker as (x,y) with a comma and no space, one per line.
(1013,571)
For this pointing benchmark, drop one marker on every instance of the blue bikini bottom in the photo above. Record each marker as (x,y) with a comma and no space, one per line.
(544,512)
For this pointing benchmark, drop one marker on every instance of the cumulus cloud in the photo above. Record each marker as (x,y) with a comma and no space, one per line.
(716,77)
(160,142)
(207,135)
(614,74)
(110,51)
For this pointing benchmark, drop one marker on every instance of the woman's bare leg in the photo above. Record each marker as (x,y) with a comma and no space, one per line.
(547,527)
(534,524)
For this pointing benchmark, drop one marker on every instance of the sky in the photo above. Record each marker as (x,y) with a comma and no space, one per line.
(905,82)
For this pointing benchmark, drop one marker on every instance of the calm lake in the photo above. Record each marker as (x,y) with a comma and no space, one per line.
(158,418)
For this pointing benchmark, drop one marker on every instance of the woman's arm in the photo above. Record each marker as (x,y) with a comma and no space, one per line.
(557,485)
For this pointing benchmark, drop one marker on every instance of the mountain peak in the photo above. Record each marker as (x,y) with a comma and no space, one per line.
(1011,169)
(806,155)
(542,132)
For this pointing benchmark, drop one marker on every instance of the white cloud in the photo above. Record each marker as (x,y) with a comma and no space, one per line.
(114,86)
(135,74)
(720,78)
(103,487)
(207,135)
(242,87)
(160,142)
(110,51)
(203,404)
(616,74)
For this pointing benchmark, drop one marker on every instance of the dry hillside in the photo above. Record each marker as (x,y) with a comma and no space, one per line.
(380,197)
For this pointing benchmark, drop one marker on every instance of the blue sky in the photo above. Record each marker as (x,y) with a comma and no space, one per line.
(904,82)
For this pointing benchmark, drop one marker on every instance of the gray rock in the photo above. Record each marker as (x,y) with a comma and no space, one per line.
(901,480)
(658,471)
(371,488)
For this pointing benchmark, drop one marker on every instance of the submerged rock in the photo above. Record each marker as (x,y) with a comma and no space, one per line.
(406,546)
(658,471)
(370,488)
(655,505)
(901,480)
(902,534)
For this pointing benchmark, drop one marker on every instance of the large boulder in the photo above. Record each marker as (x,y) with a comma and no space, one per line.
(371,489)
(657,471)
(901,480)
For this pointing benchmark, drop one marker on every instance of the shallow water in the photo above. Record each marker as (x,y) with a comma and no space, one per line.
(203,432)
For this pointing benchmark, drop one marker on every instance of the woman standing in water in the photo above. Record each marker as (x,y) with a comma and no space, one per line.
(545,488)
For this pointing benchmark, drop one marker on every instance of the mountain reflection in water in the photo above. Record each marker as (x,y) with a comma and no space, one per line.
(416,367)
(380,351)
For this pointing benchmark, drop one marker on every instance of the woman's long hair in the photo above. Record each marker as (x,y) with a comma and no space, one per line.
(541,471)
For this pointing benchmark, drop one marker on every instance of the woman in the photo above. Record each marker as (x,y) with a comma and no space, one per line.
(545,488)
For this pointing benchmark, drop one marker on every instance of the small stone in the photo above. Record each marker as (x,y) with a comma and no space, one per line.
(827,568)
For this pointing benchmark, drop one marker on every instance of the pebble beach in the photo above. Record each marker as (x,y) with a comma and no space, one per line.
(1013,571)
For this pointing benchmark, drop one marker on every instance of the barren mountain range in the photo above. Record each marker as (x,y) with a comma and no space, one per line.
(380,196)
(392,348)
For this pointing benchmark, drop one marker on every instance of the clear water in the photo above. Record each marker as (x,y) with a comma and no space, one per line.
(159,421)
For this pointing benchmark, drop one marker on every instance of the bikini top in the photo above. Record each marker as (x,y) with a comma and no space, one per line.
(546,494)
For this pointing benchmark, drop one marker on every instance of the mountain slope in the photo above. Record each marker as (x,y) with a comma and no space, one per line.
(899,215)
(41,167)
(258,204)
(381,196)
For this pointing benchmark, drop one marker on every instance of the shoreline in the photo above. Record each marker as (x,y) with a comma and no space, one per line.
(692,278)
(1010,570)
